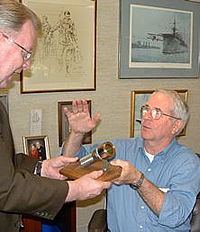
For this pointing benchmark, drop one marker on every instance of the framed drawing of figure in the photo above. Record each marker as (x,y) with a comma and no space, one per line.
(65,56)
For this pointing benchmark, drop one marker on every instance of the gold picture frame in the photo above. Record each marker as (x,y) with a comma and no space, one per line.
(36,146)
(65,56)
(139,98)
(63,124)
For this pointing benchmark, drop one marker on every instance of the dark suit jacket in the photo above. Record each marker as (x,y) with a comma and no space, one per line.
(20,190)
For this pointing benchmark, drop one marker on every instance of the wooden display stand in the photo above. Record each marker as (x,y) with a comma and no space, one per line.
(75,171)
(94,161)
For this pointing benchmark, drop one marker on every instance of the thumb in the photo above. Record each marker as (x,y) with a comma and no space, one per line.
(69,159)
(96,118)
(67,111)
(95,174)
(66,159)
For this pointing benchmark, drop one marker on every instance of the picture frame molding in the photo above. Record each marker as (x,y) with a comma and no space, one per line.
(36,138)
(63,123)
(32,82)
(126,72)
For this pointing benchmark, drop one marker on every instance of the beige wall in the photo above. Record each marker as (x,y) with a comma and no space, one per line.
(112,98)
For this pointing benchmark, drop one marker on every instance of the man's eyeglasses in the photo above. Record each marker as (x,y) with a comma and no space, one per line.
(155,113)
(25,53)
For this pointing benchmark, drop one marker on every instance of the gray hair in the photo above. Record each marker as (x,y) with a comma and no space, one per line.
(179,109)
(14,14)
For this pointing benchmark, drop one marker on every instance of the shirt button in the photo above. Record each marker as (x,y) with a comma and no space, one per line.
(141,227)
(149,169)
(142,207)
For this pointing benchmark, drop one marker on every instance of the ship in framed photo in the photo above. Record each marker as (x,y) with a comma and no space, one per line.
(172,43)
(159,39)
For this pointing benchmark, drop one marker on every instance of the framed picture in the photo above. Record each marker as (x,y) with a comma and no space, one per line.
(65,55)
(138,99)
(63,123)
(159,39)
(37,146)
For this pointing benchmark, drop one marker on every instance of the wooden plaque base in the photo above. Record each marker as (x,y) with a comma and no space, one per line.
(75,170)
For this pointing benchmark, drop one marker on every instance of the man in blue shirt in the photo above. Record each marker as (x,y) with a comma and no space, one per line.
(157,189)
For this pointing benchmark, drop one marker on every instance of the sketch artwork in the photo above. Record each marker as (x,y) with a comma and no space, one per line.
(64,57)
(63,37)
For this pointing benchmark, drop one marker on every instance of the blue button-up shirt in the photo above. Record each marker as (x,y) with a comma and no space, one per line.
(175,170)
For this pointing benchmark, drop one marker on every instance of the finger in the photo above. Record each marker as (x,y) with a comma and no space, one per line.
(96,118)
(116,182)
(85,106)
(63,177)
(61,161)
(95,174)
(67,160)
(106,185)
(116,162)
(74,106)
(67,111)
(80,105)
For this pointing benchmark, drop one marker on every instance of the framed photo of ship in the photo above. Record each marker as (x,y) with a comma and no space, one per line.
(138,99)
(159,39)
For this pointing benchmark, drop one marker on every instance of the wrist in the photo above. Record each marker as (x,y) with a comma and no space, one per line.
(72,191)
(77,133)
(137,184)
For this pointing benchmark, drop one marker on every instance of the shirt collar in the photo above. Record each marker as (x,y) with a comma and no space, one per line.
(165,152)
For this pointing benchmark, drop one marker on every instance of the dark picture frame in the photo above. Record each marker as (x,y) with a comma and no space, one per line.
(36,146)
(159,39)
(65,56)
(63,124)
(139,98)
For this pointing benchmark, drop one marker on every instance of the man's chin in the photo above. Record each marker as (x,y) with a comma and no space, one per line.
(145,134)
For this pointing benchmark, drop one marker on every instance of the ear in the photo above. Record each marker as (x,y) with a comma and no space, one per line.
(176,126)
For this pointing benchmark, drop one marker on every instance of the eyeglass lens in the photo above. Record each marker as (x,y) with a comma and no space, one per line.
(26,56)
(155,113)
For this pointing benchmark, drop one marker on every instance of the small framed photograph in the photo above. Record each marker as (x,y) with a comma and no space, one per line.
(36,146)
(159,39)
(138,99)
(63,123)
